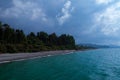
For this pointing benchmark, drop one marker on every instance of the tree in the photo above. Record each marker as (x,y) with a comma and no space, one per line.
(1,32)
(0,24)
(7,31)
(66,41)
(20,36)
(14,40)
(71,41)
(31,38)
(62,39)
(53,39)
(43,36)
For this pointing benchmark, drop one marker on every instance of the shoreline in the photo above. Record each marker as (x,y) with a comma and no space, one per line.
(6,58)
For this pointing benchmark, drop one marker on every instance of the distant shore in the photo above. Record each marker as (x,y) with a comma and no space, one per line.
(5,58)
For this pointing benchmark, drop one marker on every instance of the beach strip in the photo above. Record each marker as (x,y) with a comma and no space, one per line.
(7,57)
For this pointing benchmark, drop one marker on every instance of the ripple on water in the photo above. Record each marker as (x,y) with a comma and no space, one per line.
(101,64)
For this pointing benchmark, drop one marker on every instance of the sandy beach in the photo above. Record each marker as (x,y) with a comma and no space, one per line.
(4,58)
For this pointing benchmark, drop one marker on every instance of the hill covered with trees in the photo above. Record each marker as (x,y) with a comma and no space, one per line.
(15,40)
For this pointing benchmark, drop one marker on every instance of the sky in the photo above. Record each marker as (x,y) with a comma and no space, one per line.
(89,21)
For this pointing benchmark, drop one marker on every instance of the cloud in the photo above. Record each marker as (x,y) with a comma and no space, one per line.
(23,8)
(66,13)
(103,1)
(108,20)
(38,13)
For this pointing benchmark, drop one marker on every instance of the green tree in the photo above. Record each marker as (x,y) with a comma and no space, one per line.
(1,33)
(53,39)
(67,41)
(62,39)
(19,36)
(14,40)
(31,38)
(43,36)
(7,33)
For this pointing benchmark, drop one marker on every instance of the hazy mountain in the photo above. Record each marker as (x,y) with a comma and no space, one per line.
(96,45)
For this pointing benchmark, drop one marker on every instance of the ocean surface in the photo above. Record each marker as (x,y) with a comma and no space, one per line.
(100,64)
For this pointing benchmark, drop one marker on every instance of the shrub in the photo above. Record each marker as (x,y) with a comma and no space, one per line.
(11,48)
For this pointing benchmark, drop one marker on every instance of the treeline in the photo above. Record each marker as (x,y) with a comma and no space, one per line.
(15,40)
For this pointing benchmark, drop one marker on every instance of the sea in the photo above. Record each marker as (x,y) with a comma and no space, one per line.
(98,64)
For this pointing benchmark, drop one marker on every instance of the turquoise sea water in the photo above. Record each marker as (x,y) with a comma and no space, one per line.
(101,64)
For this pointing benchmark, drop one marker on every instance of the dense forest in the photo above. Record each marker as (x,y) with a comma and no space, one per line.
(15,40)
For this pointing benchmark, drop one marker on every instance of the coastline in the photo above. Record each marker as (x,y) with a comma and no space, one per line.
(5,58)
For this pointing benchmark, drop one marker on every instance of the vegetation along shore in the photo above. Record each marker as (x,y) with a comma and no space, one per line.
(37,45)
(15,40)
